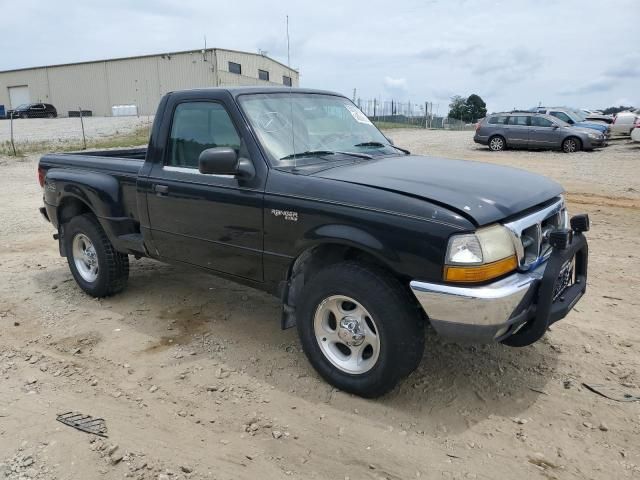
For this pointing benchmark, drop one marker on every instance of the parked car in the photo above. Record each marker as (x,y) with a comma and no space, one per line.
(623,123)
(573,118)
(596,116)
(534,131)
(362,241)
(635,133)
(33,110)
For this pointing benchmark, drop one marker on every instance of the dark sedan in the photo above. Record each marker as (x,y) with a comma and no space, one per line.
(33,110)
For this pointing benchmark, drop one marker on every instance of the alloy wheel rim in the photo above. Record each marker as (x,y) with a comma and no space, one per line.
(346,334)
(85,257)
(496,144)
(570,146)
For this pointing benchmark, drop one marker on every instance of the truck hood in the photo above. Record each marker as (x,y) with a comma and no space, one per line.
(482,192)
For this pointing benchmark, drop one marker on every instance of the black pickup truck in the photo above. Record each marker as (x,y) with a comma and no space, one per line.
(297,193)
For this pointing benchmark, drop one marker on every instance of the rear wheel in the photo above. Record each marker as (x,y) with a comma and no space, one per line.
(359,328)
(96,266)
(497,143)
(51,115)
(571,145)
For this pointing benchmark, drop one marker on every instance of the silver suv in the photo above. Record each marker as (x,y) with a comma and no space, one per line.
(535,131)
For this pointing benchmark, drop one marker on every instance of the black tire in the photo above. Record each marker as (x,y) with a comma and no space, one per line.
(398,324)
(571,145)
(497,143)
(24,115)
(51,115)
(113,266)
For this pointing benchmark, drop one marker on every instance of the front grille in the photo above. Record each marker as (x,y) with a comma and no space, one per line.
(531,233)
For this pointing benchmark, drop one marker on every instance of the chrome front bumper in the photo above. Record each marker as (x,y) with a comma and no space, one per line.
(480,314)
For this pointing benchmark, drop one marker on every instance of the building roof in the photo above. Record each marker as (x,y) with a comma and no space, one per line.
(201,50)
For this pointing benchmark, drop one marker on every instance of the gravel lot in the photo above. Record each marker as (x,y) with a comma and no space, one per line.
(61,130)
(195,379)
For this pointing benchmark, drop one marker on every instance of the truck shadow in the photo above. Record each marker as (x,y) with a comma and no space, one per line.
(454,388)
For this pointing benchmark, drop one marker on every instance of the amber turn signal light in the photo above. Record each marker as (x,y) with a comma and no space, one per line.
(479,273)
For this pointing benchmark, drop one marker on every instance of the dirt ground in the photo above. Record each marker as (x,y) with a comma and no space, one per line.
(195,379)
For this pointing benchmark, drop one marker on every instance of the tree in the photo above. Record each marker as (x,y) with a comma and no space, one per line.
(476,108)
(614,110)
(457,107)
(467,110)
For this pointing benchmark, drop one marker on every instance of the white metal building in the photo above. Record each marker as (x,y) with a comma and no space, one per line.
(141,81)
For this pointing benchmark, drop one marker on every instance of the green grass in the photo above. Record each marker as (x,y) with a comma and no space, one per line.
(138,137)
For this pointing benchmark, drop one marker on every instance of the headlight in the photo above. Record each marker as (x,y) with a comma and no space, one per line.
(594,135)
(480,256)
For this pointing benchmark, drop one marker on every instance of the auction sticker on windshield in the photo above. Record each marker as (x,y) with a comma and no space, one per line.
(358,115)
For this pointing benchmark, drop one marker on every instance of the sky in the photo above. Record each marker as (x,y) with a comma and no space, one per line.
(513,53)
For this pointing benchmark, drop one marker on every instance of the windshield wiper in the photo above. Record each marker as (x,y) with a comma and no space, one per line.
(320,153)
(308,153)
(380,144)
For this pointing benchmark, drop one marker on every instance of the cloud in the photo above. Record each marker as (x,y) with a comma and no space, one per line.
(602,84)
(395,86)
(509,65)
(510,53)
(439,50)
(628,67)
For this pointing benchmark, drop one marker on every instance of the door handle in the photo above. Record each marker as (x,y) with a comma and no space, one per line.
(161,189)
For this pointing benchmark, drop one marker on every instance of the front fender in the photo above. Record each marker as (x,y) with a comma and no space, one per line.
(351,236)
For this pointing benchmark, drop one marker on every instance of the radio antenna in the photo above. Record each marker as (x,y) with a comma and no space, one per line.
(293,136)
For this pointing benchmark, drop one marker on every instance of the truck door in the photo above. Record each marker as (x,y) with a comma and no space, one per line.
(517,130)
(212,221)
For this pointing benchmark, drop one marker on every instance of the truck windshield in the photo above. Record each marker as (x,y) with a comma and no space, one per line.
(310,127)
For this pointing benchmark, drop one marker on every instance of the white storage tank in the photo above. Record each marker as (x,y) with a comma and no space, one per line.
(124,110)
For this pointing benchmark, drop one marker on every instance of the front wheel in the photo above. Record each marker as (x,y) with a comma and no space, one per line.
(96,266)
(571,145)
(359,328)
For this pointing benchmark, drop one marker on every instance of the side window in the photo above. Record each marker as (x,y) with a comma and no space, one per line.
(520,120)
(541,122)
(562,116)
(501,120)
(235,68)
(197,126)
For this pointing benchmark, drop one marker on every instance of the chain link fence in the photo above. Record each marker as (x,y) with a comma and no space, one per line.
(78,131)
(408,114)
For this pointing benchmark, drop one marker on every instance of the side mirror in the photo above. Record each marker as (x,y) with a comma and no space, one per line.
(555,126)
(225,161)
(218,161)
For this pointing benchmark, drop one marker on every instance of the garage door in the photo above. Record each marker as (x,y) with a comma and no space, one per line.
(19,95)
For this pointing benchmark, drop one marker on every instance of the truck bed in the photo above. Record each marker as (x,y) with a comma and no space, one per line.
(121,166)
(125,161)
